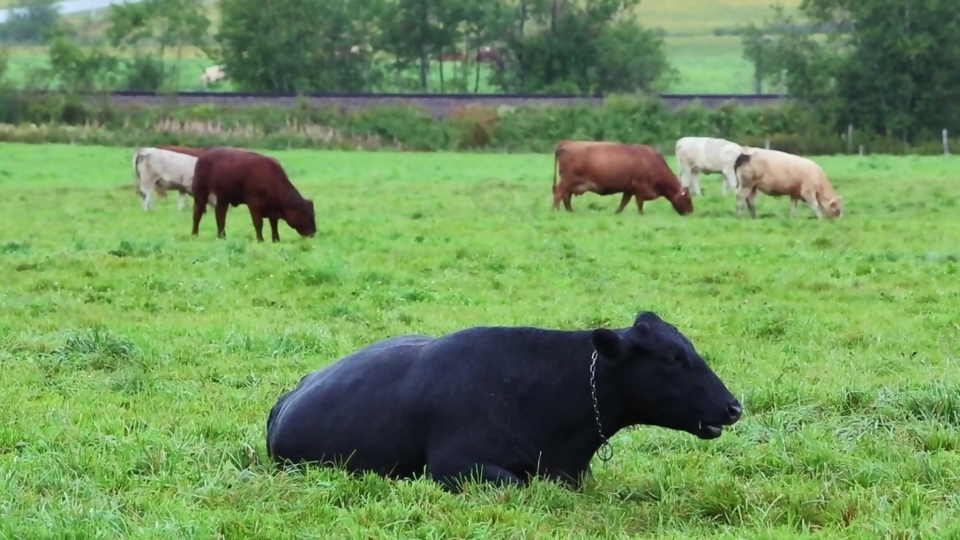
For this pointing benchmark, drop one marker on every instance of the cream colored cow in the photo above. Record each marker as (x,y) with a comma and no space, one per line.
(167,169)
(706,155)
(779,174)
(212,74)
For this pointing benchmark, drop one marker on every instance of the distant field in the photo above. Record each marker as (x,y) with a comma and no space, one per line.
(707,63)
(696,17)
(139,363)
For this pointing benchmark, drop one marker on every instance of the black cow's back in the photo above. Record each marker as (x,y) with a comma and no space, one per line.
(352,406)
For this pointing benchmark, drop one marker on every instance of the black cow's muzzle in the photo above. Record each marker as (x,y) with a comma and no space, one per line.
(713,429)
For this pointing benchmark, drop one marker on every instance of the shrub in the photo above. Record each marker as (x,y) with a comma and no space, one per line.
(534,128)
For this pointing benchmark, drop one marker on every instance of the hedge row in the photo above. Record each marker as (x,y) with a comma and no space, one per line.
(58,118)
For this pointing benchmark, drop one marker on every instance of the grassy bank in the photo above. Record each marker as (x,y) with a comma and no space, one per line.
(140,363)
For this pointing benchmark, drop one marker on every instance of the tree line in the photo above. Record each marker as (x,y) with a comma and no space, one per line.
(884,66)
(517,46)
(888,67)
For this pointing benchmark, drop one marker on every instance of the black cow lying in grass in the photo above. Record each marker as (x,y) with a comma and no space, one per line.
(500,404)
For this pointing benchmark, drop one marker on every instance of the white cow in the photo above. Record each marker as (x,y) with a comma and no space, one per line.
(167,169)
(707,155)
(780,174)
(212,74)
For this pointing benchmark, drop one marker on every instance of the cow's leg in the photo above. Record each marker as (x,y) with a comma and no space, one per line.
(750,206)
(450,471)
(684,176)
(145,196)
(199,207)
(221,213)
(257,215)
(742,195)
(695,183)
(623,201)
(811,198)
(793,206)
(274,233)
(182,201)
(567,195)
(640,201)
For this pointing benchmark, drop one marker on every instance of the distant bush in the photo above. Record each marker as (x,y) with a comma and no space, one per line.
(63,118)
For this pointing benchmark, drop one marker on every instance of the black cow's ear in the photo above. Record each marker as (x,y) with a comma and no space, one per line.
(643,332)
(609,344)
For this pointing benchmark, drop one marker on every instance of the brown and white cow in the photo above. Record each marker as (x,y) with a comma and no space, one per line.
(605,168)
(779,174)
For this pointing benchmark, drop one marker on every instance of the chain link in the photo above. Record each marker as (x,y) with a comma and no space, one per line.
(606,450)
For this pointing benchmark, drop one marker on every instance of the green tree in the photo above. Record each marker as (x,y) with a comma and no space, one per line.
(148,30)
(412,31)
(485,22)
(885,66)
(32,23)
(586,47)
(80,69)
(298,45)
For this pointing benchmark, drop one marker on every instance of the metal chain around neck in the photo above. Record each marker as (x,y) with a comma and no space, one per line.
(605,452)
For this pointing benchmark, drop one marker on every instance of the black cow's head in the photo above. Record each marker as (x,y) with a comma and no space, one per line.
(662,381)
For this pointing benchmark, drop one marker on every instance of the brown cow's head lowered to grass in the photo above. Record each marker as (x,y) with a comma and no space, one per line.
(301,216)
(682,202)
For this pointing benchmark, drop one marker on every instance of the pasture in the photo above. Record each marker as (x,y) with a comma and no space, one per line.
(140,363)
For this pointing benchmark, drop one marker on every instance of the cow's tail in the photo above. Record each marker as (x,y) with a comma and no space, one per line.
(137,158)
(741,160)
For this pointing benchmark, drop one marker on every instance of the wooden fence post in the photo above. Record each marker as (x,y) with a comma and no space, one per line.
(946,143)
(849,138)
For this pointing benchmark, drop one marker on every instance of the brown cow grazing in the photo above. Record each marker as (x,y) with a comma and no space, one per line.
(607,167)
(238,177)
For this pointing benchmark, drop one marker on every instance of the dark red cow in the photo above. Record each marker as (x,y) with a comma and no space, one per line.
(238,177)
(605,168)
(488,54)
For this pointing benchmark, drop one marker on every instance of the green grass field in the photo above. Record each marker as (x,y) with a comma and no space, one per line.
(707,63)
(140,363)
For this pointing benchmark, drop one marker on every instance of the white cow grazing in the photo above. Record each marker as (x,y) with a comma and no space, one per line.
(779,174)
(212,74)
(707,155)
(166,168)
